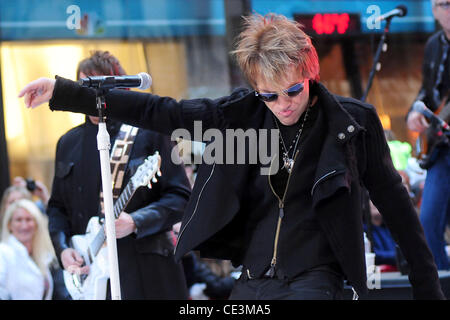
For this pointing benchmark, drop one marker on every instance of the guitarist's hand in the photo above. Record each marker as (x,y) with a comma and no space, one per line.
(73,262)
(416,122)
(124,225)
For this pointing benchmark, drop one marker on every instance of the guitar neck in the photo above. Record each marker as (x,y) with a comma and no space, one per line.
(144,175)
(119,205)
(123,199)
(97,243)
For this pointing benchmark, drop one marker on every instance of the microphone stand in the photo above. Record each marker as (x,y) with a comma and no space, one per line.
(377,58)
(374,69)
(103,145)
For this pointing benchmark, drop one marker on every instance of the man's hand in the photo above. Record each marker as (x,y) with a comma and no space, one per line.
(124,225)
(72,262)
(416,122)
(37,92)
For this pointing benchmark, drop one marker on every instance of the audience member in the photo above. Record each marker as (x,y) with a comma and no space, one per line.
(27,258)
(37,189)
(383,245)
(10,195)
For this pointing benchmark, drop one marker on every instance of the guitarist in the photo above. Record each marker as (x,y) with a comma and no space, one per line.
(435,208)
(147,268)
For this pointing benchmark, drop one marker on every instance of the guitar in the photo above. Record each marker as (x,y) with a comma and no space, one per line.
(92,246)
(436,135)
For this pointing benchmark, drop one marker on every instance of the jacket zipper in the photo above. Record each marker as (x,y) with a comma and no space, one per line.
(196,206)
(273,262)
(321,179)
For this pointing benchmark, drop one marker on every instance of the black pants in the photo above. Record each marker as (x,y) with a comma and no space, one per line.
(316,284)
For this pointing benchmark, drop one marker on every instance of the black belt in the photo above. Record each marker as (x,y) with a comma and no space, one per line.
(331,267)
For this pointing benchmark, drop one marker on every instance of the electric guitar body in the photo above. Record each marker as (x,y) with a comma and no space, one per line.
(428,142)
(92,286)
(92,245)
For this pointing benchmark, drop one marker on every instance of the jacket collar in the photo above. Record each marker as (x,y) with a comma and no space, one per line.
(341,125)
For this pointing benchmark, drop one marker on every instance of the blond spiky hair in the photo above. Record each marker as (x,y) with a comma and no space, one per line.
(270,45)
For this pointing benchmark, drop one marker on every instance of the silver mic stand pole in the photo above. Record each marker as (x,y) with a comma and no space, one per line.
(104,145)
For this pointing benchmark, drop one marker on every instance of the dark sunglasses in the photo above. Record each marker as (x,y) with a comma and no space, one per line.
(443,5)
(291,92)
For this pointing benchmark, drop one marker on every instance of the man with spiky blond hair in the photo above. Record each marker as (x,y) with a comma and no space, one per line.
(297,232)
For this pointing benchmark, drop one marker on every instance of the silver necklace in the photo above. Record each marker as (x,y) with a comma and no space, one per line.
(287,160)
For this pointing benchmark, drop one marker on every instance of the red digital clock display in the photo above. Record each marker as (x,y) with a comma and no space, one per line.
(330,24)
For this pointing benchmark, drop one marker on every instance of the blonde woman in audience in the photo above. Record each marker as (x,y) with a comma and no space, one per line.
(11,194)
(26,254)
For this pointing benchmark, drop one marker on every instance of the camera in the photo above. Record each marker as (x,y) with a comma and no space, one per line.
(31,184)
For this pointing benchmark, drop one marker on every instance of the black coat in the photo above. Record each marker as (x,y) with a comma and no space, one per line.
(146,264)
(354,153)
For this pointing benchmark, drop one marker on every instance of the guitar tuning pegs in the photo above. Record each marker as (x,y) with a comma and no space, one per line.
(159,173)
(149,185)
(154,180)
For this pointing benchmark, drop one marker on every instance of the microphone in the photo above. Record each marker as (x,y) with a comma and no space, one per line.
(419,106)
(399,11)
(141,81)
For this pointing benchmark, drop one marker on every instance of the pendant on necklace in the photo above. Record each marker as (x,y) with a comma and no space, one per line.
(288,163)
